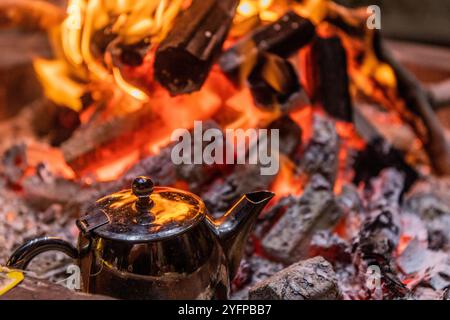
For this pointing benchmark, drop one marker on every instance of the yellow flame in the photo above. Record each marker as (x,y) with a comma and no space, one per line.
(58,87)
(130,20)
(128,88)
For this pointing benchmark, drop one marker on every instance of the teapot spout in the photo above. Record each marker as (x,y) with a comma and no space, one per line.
(234,227)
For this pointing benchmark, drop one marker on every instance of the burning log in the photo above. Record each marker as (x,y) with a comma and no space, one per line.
(290,135)
(31,14)
(83,150)
(418,112)
(185,56)
(283,37)
(163,171)
(321,155)
(380,234)
(274,82)
(329,64)
(288,240)
(378,154)
(312,279)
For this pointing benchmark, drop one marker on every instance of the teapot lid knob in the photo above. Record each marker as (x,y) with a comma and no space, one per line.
(142,187)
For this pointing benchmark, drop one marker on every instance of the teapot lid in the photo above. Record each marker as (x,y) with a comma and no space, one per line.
(143,213)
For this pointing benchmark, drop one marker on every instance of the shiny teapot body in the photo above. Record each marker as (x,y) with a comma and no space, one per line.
(141,244)
(189,266)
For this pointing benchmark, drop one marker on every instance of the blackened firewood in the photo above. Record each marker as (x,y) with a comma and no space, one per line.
(352,21)
(418,112)
(185,56)
(330,70)
(321,155)
(283,37)
(288,240)
(378,154)
(55,122)
(290,134)
(312,279)
(274,82)
(379,236)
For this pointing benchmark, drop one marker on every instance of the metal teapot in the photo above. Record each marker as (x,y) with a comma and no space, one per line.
(155,243)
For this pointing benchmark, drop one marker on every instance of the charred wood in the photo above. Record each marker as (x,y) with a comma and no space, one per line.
(290,135)
(283,37)
(331,79)
(321,154)
(185,56)
(86,147)
(274,82)
(374,247)
(312,279)
(418,112)
(379,154)
(288,240)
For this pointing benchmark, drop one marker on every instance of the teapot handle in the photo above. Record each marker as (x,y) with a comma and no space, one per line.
(23,255)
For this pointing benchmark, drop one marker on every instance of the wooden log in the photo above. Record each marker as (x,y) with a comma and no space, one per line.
(380,234)
(288,240)
(283,37)
(274,83)
(185,56)
(118,134)
(378,154)
(321,153)
(417,112)
(312,279)
(329,64)
(30,14)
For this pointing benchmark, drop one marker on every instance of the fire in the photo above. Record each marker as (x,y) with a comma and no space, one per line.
(79,62)
(287,182)
(83,65)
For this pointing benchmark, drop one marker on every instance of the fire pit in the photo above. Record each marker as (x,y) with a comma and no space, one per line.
(305,99)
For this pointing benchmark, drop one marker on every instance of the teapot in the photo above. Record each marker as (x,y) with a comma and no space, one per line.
(154,242)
